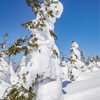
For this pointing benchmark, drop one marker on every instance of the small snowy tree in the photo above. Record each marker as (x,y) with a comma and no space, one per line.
(75,64)
(4,67)
(87,61)
(63,59)
(92,64)
(82,57)
(97,60)
(6,71)
(42,71)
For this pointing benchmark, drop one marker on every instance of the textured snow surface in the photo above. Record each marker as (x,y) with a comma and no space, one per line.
(7,77)
(87,87)
(4,76)
(13,76)
(3,88)
(4,70)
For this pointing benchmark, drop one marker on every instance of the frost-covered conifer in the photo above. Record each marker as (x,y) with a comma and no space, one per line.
(63,60)
(4,69)
(4,75)
(7,74)
(82,57)
(97,60)
(92,64)
(75,65)
(40,79)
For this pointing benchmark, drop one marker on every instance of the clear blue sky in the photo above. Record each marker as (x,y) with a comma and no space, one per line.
(79,22)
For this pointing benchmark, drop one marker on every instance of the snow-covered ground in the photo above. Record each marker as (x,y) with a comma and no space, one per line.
(87,87)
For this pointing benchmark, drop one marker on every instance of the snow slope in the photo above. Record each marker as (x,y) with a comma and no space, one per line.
(3,87)
(87,87)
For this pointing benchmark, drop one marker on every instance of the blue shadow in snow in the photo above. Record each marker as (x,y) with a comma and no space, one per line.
(64,84)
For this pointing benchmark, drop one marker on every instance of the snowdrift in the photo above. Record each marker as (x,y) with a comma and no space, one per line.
(87,87)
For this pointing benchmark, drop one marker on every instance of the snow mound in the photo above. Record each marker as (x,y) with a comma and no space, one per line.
(45,92)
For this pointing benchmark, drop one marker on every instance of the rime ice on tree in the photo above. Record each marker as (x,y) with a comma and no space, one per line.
(4,69)
(4,75)
(75,64)
(42,74)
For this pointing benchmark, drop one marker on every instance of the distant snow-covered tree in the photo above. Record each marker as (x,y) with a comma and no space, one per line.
(92,66)
(75,64)
(97,60)
(63,59)
(82,56)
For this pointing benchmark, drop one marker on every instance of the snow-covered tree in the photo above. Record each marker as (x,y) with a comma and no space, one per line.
(92,64)
(4,69)
(63,59)
(87,61)
(7,74)
(75,64)
(41,78)
(4,75)
(82,57)
(97,60)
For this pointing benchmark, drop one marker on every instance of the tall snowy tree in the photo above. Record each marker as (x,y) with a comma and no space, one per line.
(41,78)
